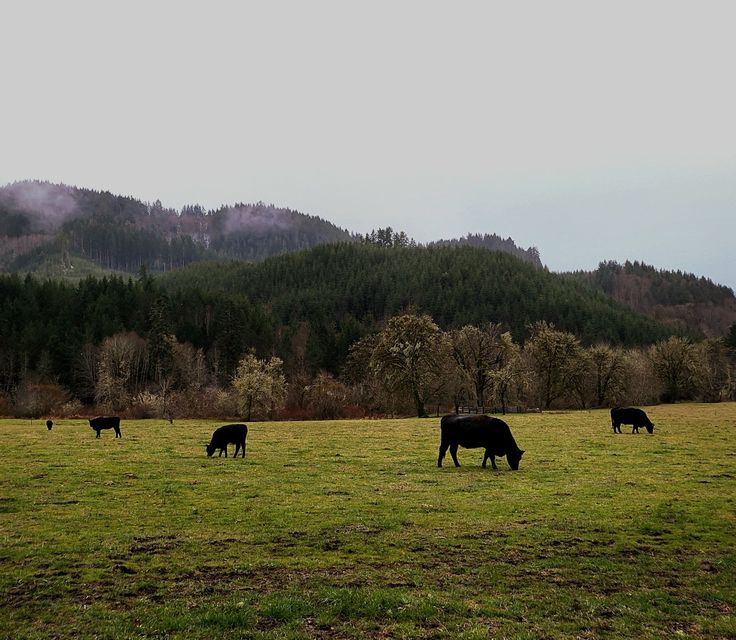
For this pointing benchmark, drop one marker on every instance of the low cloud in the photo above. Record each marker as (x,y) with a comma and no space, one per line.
(48,206)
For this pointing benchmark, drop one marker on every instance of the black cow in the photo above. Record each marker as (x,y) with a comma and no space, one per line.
(225,435)
(49,424)
(630,415)
(472,432)
(106,422)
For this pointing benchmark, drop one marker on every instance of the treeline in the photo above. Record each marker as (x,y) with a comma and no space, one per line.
(413,364)
(410,366)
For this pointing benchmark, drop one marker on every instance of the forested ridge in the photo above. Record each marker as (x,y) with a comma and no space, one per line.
(42,222)
(455,285)
(681,300)
(39,219)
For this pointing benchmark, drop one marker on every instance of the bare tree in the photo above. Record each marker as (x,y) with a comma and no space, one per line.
(122,366)
(478,352)
(326,396)
(608,365)
(714,375)
(675,362)
(510,375)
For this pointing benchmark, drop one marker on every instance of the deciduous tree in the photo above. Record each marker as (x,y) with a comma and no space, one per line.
(260,385)
(554,356)
(410,356)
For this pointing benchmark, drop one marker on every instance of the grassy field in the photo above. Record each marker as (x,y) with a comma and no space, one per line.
(347,529)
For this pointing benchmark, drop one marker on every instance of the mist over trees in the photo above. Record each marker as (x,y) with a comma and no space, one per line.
(39,220)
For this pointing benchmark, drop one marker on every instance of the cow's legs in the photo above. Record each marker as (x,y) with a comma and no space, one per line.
(453,453)
(488,455)
(243,448)
(443,450)
(117,432)
(634,428)
(98,433)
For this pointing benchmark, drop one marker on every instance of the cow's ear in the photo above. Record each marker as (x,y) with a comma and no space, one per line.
(521,451)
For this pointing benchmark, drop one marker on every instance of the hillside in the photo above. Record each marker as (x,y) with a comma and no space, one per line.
(44,226)
(681,300)
(455,285)
(41,222)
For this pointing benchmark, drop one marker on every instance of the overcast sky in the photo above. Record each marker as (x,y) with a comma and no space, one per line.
(592,130)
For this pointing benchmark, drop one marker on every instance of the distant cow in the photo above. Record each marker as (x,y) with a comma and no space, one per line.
(49,424)
(106,422)
(630,415)
(472,432)
(225,435)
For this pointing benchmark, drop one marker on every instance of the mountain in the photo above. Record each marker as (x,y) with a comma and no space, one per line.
(683,301)
(40,221)
(54,228)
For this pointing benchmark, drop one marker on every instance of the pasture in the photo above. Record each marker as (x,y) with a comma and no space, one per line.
(347,529)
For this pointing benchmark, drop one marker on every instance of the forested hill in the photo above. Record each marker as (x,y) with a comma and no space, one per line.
(38,220)
(62,231)
(680,300)
(360,285)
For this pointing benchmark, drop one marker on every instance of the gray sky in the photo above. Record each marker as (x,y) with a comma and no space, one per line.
(592,130)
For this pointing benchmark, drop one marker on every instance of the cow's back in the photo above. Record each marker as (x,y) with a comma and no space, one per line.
(105,422)
(629,415)
(475,431)
(230,433)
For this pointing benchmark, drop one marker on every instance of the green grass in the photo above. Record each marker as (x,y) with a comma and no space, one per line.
(347,529)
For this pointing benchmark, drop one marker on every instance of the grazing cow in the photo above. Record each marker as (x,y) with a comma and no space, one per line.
(106,422)
(472,432)
(49,424)
(630,415)
(225,435)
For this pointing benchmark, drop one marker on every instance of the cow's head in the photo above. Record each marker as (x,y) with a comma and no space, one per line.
(650,427)
(210,448)
(513,458)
